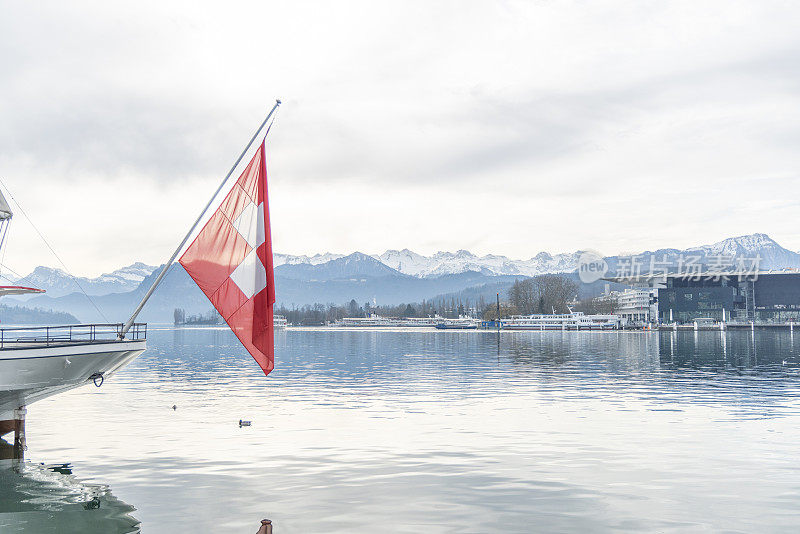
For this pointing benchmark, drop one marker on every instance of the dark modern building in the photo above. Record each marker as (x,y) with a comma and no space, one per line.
(768,297)
(686,299)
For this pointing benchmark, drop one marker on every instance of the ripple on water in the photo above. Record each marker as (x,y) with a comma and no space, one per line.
(410,431)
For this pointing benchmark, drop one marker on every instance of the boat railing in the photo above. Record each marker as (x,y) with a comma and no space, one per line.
(17,336)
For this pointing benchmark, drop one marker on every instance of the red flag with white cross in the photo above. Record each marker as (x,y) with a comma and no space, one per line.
(231,261)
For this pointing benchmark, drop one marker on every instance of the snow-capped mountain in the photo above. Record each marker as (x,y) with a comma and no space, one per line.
(132,274)
(341,268)
(316,259)
(355,267)
(771,254)
(390,278)
(442,263)
(406,261)
(57,282)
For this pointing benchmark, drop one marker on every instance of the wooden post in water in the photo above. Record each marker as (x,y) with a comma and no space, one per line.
(19,433)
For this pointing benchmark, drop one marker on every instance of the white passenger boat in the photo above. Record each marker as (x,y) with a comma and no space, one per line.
(564,321)
(279,322)
(462,323)
(373,321)
(376,321)
(38,362)
(419,322)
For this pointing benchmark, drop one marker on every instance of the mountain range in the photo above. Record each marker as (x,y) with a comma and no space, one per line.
(773,256)
(390,278)
(58,283)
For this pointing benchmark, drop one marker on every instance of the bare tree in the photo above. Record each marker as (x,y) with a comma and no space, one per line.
(546,293)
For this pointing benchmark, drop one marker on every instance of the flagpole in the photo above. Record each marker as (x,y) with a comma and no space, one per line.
(171,260)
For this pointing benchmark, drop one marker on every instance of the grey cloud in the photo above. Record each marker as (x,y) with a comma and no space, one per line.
(87,121)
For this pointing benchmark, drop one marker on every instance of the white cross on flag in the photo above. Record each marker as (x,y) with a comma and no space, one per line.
(231,261)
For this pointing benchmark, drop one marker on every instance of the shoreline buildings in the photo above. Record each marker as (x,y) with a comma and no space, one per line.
(771,297)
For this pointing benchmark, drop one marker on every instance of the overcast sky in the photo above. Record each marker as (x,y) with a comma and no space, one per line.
(497,127)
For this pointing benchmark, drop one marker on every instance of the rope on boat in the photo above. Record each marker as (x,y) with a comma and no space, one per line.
(54,253)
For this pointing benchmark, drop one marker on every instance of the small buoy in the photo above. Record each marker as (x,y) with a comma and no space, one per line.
(243,423)
(174,406)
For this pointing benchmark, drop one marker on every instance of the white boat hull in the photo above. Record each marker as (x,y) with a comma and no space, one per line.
(28,374)
(559,327)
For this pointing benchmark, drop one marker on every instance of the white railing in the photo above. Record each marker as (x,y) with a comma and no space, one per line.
(69,334)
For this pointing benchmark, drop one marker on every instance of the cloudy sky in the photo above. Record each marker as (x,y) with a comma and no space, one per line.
(502,127)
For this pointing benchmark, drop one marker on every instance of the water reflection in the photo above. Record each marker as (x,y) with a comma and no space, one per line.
(763,350)
(35,498)
(442,431)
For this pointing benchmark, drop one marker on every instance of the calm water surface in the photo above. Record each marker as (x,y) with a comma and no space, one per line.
(424,431)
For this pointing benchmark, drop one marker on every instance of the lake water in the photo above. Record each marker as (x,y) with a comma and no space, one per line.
(424,431)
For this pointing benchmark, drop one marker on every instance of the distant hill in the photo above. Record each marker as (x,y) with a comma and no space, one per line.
(390,289)
(354,266)
(58,283)
(501,284)
(24,315)
(176,290)
(333,285)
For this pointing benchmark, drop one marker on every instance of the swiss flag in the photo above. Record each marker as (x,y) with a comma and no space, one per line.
(231,261)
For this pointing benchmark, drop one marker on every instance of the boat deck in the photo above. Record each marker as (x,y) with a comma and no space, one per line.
(81,334)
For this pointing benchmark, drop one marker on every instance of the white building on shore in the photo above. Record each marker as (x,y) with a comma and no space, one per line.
(636,306)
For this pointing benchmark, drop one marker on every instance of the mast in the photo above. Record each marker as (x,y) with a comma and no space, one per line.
(498,311)
(171,260)
(5,221)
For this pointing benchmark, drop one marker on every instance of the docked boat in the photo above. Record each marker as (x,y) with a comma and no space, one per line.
(564,321)
(38,362)
(279,322)
(419,322)
(373,321)
(462,323)
(376,321)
